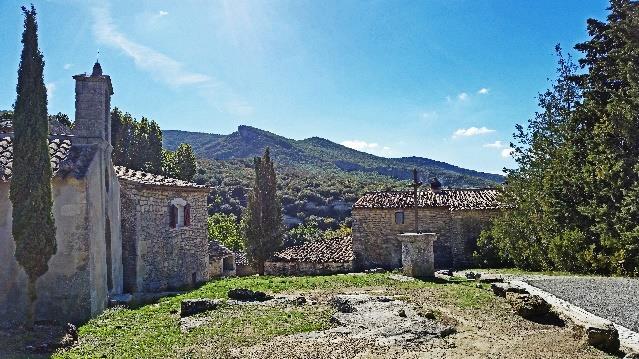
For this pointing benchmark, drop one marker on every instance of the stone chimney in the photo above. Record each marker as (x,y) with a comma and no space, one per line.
(93,107)
(435,185)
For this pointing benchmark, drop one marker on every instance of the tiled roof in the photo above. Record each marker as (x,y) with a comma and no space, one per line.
(217,250)
(334,250)
(58,148)
(55,127)
(241,259)
(453,199)
(151,179)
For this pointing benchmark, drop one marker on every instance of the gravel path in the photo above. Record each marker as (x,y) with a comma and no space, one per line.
(616,299)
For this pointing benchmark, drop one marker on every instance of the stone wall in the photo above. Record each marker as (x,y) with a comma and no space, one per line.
(306,268)
(375,241)
(155,256)
(75,288)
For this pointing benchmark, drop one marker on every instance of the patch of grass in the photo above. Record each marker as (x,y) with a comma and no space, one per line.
(153,331)
(466,295)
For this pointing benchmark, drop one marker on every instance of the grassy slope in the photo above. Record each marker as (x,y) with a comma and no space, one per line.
(153,331)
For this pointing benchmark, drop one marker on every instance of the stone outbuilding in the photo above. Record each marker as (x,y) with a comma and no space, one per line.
(321,256)
(117,230)
(164,235)
(456,216)
(242,265)
(221,260)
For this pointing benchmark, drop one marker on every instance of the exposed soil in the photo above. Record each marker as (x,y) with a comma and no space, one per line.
(492,331)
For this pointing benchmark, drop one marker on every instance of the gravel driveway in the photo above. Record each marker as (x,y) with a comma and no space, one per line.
(616,299)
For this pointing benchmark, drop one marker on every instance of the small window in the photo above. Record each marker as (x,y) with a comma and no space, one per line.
(179,213)
(399,217)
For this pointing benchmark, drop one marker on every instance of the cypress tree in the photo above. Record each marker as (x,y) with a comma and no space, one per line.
(30,191)
(263,214)
(154,159)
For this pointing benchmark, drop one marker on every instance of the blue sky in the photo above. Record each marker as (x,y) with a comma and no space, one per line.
(445,79)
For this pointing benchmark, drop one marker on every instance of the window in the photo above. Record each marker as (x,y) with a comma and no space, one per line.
(399,217)
(179,213)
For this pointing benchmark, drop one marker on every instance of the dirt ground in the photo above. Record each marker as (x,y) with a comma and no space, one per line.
(490,331)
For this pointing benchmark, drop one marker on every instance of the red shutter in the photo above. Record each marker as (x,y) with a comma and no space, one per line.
(172,216)
(187,215)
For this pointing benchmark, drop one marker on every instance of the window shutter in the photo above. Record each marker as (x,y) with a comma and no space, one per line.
(187,215)
(172,216)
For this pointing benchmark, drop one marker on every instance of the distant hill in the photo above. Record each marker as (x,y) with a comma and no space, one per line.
(316,152)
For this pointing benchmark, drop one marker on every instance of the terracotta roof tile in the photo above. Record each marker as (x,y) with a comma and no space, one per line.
(241,259)
(334,250)
(217,250)
(151,179)
(58,149)
(453,199)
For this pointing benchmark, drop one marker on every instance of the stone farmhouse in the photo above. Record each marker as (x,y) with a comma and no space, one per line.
(117,230)
(322,256)
(456,216)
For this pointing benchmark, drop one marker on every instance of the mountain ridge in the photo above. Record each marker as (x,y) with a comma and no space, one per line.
(248,142)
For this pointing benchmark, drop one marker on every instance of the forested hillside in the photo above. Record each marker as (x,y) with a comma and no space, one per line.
(318,179)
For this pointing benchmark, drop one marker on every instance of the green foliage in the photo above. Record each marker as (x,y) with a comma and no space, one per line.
(225,229)
(61,118)
(30,191)
(575,192)
(180,164)
(263,215)
(302,233)
(138,145)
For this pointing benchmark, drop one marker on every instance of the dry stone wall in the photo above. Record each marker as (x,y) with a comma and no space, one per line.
(306,268)
(375,241)
(157,257)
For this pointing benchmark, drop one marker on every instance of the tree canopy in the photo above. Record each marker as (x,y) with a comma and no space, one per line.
(576,189)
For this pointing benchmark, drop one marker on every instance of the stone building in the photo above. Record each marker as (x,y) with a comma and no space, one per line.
(221,261)
(93,230)
(457,216)
(317,257)
(164,237)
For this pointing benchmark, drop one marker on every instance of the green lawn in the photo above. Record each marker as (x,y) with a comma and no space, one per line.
(153,331)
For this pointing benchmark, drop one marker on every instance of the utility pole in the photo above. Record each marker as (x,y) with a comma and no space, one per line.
(416,184)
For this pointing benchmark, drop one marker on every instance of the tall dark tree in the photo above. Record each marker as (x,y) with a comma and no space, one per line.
(30,192)
(263,215)
(154,155)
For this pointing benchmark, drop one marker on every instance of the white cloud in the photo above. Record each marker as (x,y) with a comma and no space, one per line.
(471,131)
(496,144)
(360,145)
(483,91)
(50,90)
(67,66)
(429,115)
(159,65)
(163,13)
(462,96)
(507,152)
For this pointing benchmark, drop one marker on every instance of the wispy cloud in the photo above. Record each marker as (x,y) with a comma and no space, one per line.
(496,144)
(483,91)
(67,66)
(507,152)
(369,147)
(51,87)
(163,13)
(160,66)
(359,145)
(462,96)
(472,131)
(239,108)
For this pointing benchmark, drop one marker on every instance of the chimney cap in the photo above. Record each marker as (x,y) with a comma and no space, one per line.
(97,69)
(435,185)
